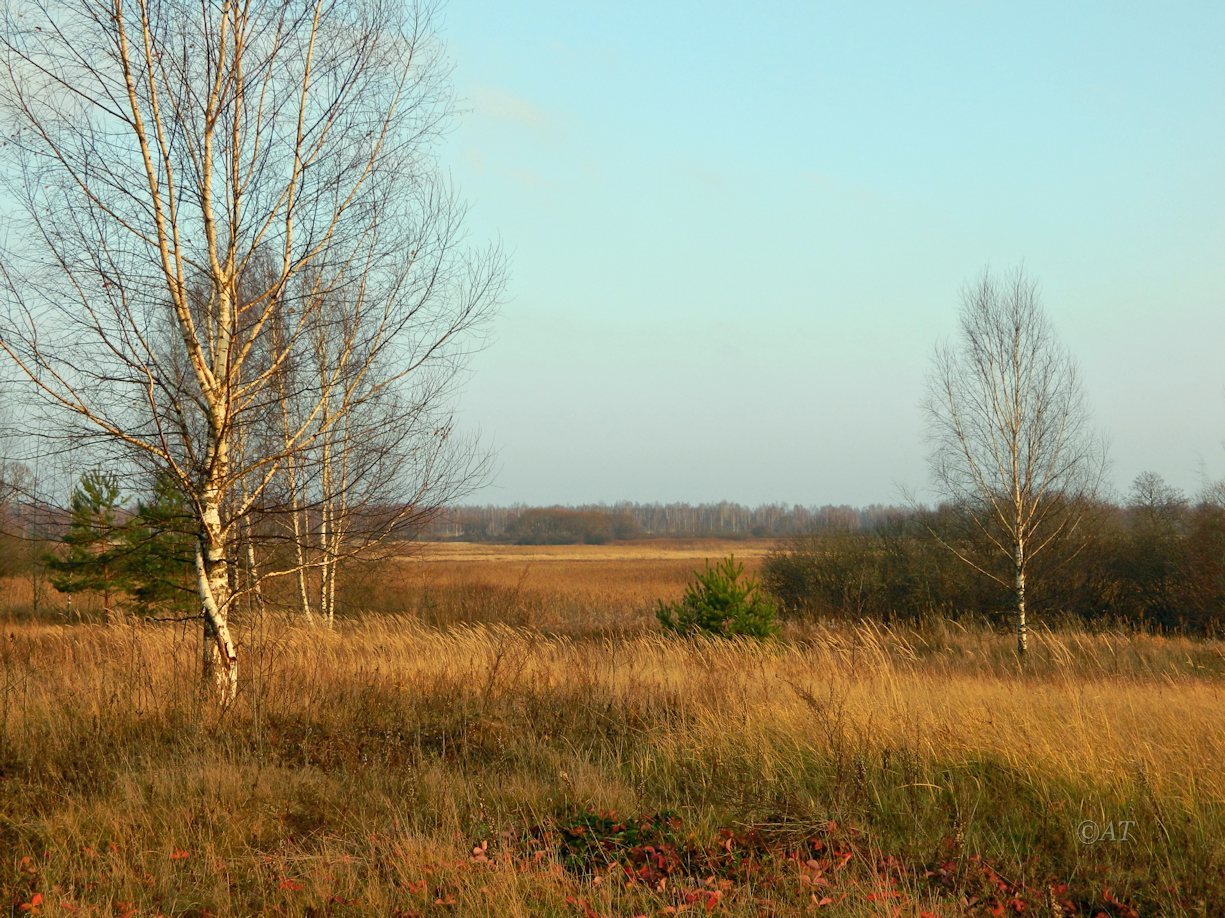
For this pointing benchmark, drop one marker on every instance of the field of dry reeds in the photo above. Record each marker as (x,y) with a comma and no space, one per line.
(480,752)
(563,589)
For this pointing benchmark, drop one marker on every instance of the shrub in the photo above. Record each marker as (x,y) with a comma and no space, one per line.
(720,600)
(888,575)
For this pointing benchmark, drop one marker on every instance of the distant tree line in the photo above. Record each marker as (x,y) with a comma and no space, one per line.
(1156,561)
(595,523)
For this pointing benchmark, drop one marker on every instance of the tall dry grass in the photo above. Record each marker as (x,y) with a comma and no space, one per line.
(565,589)
(572,589)
(393,767)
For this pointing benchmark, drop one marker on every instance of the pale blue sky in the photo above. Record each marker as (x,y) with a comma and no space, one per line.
(737,231)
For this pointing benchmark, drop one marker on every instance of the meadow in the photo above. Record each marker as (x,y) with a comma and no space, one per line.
(504,731)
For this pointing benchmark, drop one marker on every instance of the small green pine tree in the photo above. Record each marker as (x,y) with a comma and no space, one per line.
(93,559)
(160,552)
(721,601)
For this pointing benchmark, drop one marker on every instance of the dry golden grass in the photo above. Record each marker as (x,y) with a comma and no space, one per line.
(438,760)
(634,555)
(363,767)
(623,575)
(558,588)
(566,588)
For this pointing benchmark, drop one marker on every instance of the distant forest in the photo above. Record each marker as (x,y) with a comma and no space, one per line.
(595,524)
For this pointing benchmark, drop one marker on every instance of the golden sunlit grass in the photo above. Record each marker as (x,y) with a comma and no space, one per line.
(395,767)
(635,554)
(559,588)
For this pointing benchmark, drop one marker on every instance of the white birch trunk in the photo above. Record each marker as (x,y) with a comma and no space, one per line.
(220,654)
(327,560)
(300,548)
(254,582)
(1019,595)
(325,543)
(212,559)
(339,517)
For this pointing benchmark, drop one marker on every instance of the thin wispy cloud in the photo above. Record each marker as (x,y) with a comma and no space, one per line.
(503,105)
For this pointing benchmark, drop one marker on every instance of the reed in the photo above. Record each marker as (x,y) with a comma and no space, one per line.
(397,767)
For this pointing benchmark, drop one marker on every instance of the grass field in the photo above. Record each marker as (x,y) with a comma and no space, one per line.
(575,762)
(572,589)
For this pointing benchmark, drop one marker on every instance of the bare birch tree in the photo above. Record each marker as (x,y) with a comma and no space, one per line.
(1009,431)
(159,151)
(366,477)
